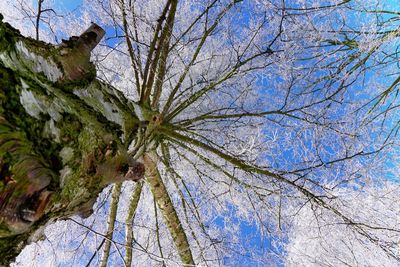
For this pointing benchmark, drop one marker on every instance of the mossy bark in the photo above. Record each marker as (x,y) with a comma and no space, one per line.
(63,136)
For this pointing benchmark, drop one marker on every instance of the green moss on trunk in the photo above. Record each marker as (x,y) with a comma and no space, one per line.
(61,142)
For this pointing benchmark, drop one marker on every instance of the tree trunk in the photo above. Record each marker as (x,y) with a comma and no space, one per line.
(166,206)
(63,135)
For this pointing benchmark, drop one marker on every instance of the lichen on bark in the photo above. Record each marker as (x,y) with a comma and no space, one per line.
(63,135)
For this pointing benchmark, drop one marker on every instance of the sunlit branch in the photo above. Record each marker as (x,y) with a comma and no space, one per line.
(152,48)
(193,98)
(134,59)
(193,209)
(188,29)
(111,222)
(318,8)
(134,201)
(164,47)
(158,233)
(165,204)
(166,161)
(206,34)
(136,38)
(222,170)
(161,42)
(116,243)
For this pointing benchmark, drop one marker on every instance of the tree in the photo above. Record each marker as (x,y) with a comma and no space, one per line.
(226,124)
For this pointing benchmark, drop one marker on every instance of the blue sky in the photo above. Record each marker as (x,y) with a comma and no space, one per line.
(71,4)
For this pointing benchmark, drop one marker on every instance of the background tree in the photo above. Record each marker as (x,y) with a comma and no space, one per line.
(261,123)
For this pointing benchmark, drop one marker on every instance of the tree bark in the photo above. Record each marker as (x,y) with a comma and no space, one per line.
(129,223)
(63,135)
(166,206)
(112,215)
